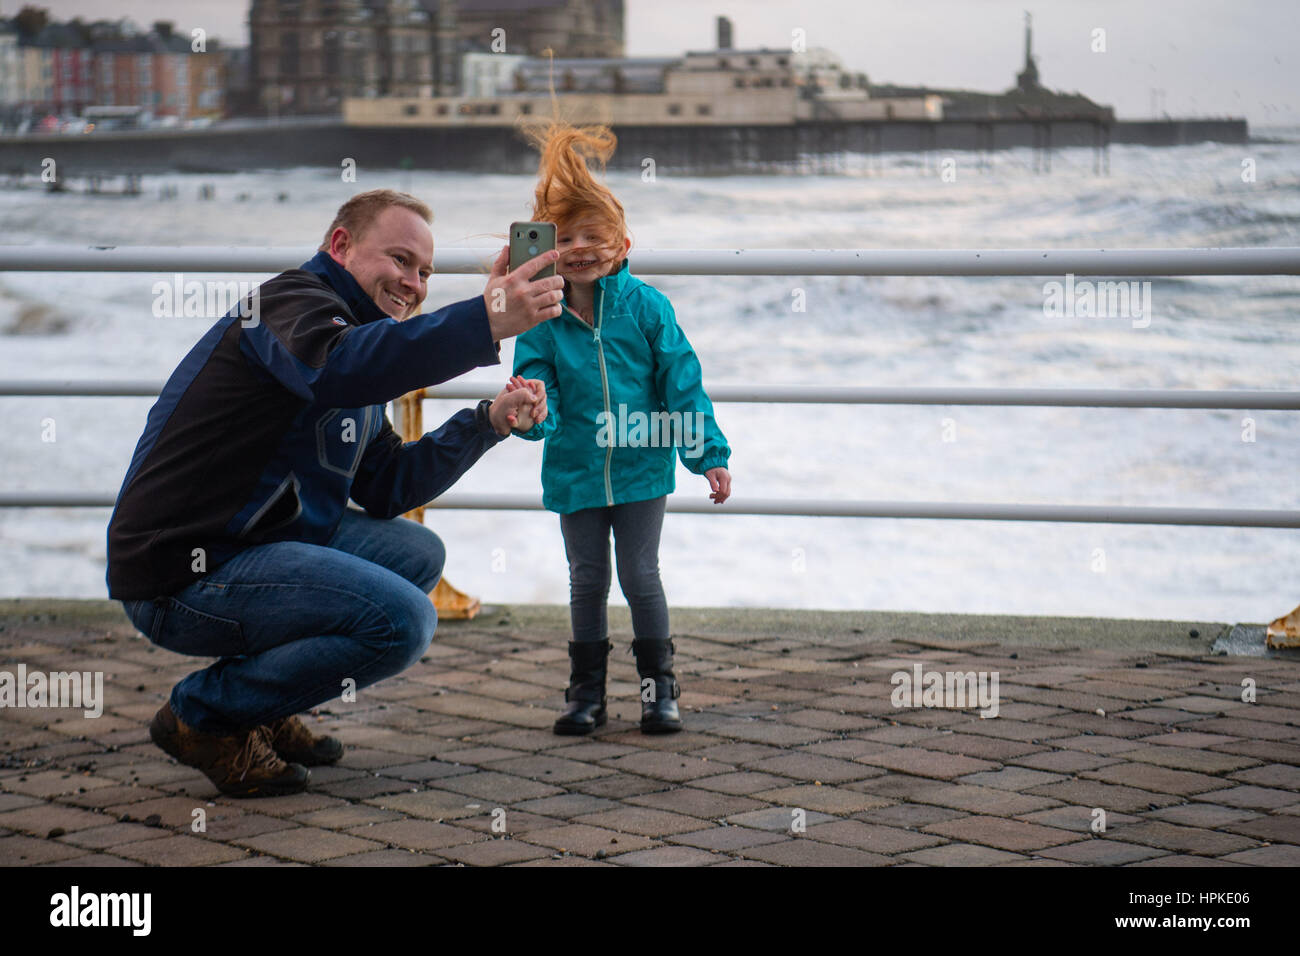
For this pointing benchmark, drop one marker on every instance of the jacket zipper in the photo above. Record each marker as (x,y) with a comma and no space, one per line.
(604,384)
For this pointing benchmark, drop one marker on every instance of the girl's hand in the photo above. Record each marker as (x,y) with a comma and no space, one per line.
(720,483)
(537,388)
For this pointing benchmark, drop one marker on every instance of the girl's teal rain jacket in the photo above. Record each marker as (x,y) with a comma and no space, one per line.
(621,394)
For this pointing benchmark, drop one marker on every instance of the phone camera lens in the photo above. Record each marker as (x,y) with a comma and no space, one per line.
(532,233)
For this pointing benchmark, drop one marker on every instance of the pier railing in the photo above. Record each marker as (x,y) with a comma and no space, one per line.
(864,262)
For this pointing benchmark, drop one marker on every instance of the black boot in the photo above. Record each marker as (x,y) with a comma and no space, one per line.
(586,693)
(654,660)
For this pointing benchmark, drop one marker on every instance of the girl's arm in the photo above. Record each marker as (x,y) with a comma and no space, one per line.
(679,381)
(533,359)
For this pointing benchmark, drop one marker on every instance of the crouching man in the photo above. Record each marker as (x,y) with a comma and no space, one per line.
(231,536)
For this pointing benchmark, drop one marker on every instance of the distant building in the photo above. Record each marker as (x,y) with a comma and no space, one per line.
(308,56)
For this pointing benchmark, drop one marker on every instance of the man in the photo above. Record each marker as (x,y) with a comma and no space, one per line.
(231,537)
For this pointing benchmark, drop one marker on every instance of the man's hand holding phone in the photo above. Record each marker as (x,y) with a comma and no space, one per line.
(514,302)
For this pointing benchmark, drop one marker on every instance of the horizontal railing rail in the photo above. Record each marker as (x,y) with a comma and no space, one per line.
(862,262)
(1253,399)
(814,507)
(798,262)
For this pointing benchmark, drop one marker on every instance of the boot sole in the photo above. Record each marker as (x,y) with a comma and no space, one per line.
(269,789)
(660,728)
(579,730)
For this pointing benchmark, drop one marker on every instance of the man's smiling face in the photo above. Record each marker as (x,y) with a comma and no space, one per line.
(391,260)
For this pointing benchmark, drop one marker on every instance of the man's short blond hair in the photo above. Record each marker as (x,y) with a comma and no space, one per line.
(358,213)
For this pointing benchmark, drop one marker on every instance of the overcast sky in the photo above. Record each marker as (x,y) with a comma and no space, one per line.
(1210,57)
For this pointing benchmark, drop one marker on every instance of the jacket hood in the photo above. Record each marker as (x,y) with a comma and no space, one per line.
(341,281)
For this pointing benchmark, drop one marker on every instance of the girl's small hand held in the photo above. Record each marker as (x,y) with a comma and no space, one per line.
(720,483)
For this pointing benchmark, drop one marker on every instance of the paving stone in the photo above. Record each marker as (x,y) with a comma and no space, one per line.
(896,736)
(618,786)
(307,844)
(1202,815)
(1270,750)
(1183,839)
(667,766)
(805,852)
(42,818)
(351,815)
(907,815)
(19,850)
(668,856)
(1155,779)
(1011,778)
(982,747)
(1088,793)
(1259,798)
(1102,744)
(1002,834)
(777,819)
(1193,739)
(567,805)
(94,859)
(641,820)
(984,800)
(812,767)
(1271,775)
(498,788)
(99,838)
(740,782)
(704,804)
(495,853)
(1062,761)
(426,770)
(549,769)
(178,850)
(1076,819)
(725,838)
(52,783)
(1274,829)
(871,837)
(961,854)
(826,799)
(430,804)
(1277,855)
(1103,852)
(587,840)
(386,858)
(769,732)
(1185,758)
(415,834)
(1179,860)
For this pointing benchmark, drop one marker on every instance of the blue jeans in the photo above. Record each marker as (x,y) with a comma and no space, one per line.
(291,622)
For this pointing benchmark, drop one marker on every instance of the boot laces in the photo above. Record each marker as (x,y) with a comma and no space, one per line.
(256,752)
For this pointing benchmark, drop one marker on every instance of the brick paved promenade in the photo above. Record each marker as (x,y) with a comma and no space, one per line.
(784,712)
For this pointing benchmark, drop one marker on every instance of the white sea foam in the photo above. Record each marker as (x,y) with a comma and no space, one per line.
(1212,332)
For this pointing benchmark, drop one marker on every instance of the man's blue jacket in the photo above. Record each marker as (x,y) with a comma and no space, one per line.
(272,421)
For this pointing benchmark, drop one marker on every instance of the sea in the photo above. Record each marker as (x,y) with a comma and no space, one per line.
(1201,333)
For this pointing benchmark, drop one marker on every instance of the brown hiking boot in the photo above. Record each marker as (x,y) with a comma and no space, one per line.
(240,765)
(292,741)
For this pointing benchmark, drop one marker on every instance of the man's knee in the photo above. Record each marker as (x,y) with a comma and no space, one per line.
(414,629)
(434,557)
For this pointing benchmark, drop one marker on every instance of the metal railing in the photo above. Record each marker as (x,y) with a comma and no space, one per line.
(1019,262)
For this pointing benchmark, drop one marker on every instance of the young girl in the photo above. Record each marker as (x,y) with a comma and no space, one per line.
(623,389)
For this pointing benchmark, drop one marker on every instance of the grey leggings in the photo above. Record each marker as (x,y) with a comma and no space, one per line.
(636,526)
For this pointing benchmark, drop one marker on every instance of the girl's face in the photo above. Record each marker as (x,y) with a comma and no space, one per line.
(586,253)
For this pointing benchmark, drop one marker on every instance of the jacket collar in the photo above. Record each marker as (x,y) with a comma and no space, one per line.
(616,280)
(341,281)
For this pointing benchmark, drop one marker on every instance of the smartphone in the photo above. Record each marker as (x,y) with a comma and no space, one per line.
(528,240)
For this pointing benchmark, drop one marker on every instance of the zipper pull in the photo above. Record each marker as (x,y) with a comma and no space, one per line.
(597,331)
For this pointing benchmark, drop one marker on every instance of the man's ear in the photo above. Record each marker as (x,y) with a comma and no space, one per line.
(340,244)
